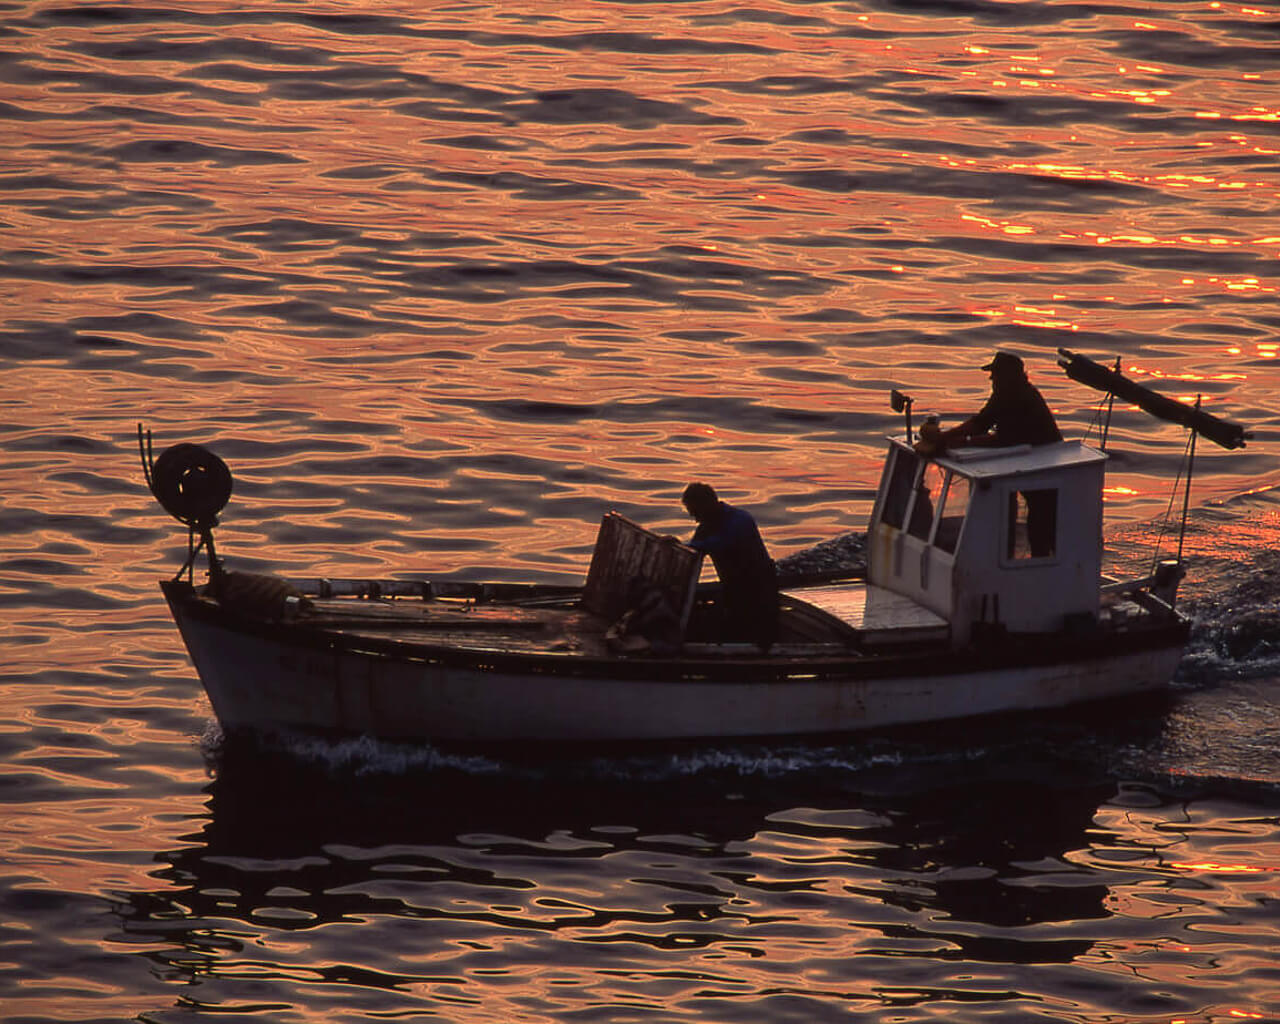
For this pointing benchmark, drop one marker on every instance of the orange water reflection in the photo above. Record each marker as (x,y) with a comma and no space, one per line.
(444,285)
(745,242)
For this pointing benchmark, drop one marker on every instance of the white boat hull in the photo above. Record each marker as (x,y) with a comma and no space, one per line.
(262,682)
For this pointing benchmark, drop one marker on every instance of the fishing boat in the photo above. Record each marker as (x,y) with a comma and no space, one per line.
(965,608)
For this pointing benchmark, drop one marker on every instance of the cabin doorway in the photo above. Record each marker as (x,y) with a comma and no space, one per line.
(1032,530)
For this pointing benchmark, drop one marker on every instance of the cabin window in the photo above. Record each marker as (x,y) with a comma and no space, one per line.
(955,504)
(897,495)
(928,493)
(1033,524)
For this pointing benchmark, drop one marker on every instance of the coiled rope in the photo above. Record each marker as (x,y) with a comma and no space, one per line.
(193,485)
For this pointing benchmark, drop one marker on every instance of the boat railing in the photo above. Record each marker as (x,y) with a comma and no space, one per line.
(1157,593)
(434,589)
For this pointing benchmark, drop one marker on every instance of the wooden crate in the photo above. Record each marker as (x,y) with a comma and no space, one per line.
(626,550)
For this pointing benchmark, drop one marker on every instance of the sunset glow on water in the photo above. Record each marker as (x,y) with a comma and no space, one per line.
(442,286)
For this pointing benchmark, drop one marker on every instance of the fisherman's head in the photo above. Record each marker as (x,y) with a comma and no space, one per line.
(700,501)
(1005,366)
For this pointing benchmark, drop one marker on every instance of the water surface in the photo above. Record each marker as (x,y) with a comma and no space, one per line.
(443,287)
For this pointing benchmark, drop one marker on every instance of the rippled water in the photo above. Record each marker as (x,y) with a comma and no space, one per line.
(444,287)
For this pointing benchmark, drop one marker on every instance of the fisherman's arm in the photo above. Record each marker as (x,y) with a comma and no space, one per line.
(976,426)
(723,536)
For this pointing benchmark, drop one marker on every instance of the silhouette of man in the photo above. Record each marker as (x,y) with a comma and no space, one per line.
(1016,413)
(747,573)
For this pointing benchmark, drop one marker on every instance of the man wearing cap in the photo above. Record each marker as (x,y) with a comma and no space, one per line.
(1016,413)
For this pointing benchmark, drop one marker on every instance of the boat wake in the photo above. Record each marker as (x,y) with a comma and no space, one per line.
(1184,743)
(1236,622)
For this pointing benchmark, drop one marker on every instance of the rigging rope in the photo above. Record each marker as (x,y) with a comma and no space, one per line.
(1173,496)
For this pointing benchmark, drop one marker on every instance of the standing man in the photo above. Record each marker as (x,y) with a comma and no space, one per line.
(747,573)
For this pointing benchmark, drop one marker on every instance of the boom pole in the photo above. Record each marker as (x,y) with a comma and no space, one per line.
(1095,375)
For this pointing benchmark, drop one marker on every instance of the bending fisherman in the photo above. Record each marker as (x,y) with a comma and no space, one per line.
(747,573)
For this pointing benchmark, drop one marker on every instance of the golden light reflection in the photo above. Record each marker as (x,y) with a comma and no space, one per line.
(1129,238)
(468,203)
(1164,375)
(1224,869)
(1028,316)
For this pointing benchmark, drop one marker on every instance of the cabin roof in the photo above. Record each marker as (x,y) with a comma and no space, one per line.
(991,463)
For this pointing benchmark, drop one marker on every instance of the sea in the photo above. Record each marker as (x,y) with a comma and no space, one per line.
(445,282)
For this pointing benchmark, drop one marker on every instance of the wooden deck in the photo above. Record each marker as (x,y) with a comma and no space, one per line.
(506,629)
(842,617)
(483,619)
(509,629)
(876,616)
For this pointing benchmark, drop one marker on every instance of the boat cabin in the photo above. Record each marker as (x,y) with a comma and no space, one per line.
(989,539)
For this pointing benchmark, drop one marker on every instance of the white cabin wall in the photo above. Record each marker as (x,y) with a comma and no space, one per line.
(1030,595)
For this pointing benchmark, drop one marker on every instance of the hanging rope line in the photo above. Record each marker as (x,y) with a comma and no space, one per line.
(1184,462)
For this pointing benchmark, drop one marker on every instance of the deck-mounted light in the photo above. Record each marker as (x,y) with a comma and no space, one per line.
(902,403)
